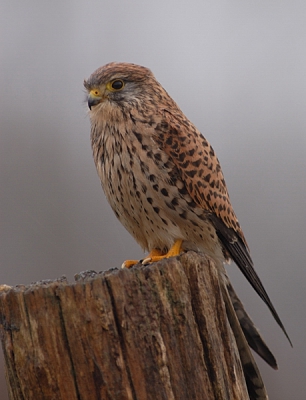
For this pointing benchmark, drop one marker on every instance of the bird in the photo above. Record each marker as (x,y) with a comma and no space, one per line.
(164,181)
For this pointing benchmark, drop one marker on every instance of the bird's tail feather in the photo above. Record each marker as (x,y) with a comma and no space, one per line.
(254,382)
(250,331)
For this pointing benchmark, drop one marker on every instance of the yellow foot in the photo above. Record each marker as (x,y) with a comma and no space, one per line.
(156,255)
(175,250)
(131,263)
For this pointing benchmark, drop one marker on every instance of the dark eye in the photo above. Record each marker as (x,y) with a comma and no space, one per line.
(117,84)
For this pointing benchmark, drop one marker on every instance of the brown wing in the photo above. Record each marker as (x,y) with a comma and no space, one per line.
(200,170)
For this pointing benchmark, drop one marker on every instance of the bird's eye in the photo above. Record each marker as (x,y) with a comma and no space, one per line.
(117,84)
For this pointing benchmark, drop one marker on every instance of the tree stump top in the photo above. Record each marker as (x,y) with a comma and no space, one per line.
(152,332)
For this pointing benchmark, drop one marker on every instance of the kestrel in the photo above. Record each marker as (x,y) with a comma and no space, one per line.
(163,180)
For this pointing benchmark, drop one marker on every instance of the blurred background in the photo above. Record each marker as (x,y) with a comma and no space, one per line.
(238,71)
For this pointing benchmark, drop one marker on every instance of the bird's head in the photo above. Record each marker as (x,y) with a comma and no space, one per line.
(121,84)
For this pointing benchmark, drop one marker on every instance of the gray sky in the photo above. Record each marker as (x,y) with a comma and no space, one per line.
(238,71)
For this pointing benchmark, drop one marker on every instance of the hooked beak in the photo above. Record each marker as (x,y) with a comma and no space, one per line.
(95,97)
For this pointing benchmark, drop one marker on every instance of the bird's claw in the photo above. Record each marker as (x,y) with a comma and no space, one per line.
(146,261)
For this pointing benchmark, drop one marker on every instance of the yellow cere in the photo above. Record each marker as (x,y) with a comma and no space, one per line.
(95,93)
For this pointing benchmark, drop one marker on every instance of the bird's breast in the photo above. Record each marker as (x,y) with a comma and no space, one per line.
(146,192)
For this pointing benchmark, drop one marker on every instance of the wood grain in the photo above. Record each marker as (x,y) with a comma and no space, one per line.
(151,332)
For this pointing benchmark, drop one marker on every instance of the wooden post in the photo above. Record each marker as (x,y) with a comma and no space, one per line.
(156,332)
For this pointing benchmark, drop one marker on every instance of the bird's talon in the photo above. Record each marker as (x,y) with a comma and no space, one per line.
(146,260)
(129,263)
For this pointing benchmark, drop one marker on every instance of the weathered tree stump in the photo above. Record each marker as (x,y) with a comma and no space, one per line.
(148,333)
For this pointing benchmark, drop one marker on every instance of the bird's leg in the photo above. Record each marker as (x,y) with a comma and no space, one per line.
(156,255)
(175,250)
(153,253)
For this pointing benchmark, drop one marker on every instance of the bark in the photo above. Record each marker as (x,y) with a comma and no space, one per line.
(152,332)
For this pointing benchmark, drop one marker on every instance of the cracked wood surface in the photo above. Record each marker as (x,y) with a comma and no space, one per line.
(148,333)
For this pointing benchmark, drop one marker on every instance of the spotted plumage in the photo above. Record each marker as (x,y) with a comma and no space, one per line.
(160,175)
